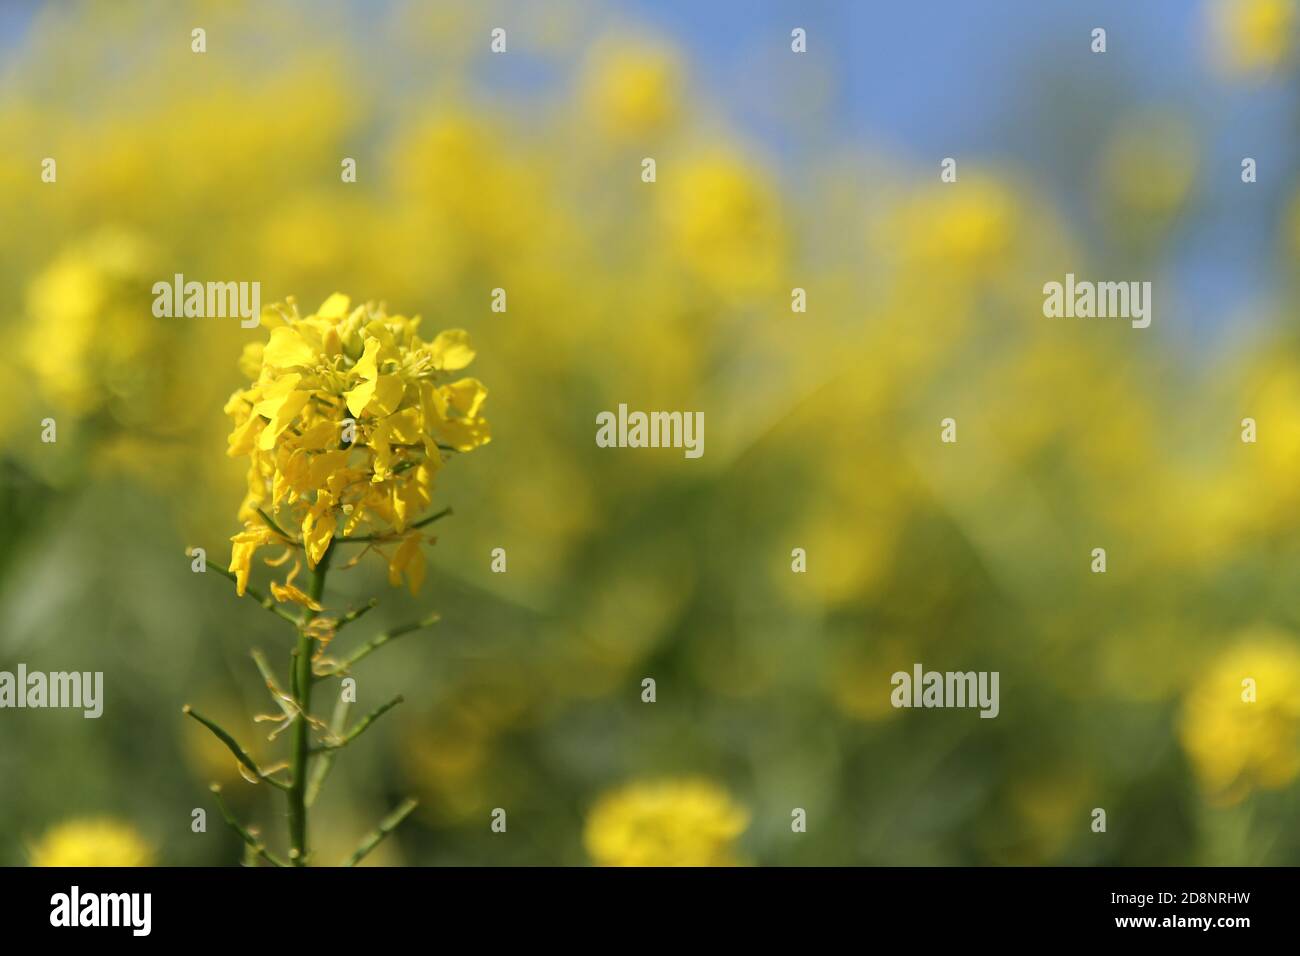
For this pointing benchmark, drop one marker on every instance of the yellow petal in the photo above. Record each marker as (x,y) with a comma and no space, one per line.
(317,532)
(335,307)
(359,397)
(388,394)
(242,548)
(464,434)
(466,396)
(323,466)
(250,360)
(289,410)
(368,365)
(367,369)
(274,395)
(289,592)
(378,397)
(287,349)
(244,438)
(322,436)
(451,350)
(408,559)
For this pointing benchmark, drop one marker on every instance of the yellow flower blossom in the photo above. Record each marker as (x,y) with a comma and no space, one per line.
(84,344)
(665,823)
(723,220)
(1252,36)
(1241,723)
(631,88)
(349,417)
(970,230)
(91,842)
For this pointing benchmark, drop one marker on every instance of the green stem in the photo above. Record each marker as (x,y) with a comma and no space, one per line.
(341,740)
(321,768)
(376,642)
(352,615)
(270,522)
(301,734)
(393,536)
(248,836)
(377,835)
(233,746)
(257,596)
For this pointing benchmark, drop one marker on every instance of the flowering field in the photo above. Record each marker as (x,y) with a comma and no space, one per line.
(381,290)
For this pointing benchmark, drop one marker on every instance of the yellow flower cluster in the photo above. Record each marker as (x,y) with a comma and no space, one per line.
(665,823)
(349,417)
(91,842)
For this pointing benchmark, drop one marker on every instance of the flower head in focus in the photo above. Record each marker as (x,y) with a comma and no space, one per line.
(665,823)
(91,842)
(349,417)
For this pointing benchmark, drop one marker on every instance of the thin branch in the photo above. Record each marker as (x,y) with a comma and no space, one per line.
(258,596)
(340,742)
(253,842)
(302,684)
(277,529)
(386,826)
(354,539)
(240,754)
(325,762)
(355,613)
(420,445)
(285,702)
(438,516)
(376,642)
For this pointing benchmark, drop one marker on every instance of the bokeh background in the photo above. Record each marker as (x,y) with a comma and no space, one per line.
(775,170)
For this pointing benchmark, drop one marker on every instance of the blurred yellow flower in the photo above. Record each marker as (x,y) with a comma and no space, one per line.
(91,842)
(1265,481)
(1241,723)
(500,207)
(968,230)
(631,88)
(88,335)
(1252,36)
(348,420)
(665,823)
(724,223)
